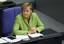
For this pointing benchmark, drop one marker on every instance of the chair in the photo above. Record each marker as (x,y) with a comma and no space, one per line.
(8,19)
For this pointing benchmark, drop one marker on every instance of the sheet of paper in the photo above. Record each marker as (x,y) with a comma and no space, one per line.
(23,37)
(18,38)
(35,35)
(2,41)
(3,0)
(11,41)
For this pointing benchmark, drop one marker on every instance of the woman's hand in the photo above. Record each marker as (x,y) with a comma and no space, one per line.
(32,30)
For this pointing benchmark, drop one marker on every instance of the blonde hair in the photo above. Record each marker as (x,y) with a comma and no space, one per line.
(26,5)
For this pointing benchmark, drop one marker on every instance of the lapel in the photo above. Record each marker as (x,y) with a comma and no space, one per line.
(28,23)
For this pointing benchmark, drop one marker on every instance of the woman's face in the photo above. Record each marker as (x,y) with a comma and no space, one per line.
(26,12)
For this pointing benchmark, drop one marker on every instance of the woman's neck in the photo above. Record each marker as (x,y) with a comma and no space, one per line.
(26,18)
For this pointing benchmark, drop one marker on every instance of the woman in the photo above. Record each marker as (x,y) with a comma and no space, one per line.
(27,22)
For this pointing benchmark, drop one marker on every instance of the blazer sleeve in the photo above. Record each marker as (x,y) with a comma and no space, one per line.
(16,28)
(40,24)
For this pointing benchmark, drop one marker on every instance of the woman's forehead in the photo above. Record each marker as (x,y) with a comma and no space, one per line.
(27,7)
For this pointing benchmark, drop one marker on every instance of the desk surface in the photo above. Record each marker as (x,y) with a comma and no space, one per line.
(48,33)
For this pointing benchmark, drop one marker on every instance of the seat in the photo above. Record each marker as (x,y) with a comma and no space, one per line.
(8,19)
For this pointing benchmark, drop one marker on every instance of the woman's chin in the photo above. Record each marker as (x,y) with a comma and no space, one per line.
(26,17)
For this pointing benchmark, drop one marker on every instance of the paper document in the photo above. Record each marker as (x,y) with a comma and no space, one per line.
(11,41)
(3,0)
(18,38)
(35,35)
(2,41)
(23,37)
